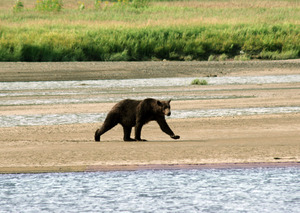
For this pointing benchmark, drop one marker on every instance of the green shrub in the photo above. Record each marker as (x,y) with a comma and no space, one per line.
(81,6)
(223,57)
(199,82)
(212,58)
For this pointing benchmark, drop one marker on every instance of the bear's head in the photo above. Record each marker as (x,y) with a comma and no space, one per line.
(165,107)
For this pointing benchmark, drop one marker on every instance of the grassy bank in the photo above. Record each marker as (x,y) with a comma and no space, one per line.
(182,30)
(150,43)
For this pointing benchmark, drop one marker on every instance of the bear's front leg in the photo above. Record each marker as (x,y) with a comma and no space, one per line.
(166,129)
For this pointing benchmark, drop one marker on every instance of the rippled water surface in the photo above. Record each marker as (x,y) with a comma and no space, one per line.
(208,190)
(105,99)
(57,119)
(150,82)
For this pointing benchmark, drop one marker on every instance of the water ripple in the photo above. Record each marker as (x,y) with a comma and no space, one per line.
(106,99)
(216,190)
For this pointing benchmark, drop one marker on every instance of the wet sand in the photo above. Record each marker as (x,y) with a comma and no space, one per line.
(214,142)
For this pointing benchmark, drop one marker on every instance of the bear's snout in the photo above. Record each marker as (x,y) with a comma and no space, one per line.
(167,112)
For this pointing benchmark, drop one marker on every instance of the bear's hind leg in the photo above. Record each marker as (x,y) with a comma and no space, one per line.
(110,122)
(127,133)
(138,130)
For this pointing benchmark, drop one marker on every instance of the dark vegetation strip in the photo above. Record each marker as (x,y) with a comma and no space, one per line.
(172,43)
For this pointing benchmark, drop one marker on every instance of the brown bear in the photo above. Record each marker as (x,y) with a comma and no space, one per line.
(135,113)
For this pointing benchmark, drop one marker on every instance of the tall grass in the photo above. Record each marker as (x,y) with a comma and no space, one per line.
(184,30)
(173,43)
(49,5)
(18,6)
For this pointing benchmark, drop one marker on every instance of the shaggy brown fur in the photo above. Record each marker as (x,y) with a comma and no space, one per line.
(135,113)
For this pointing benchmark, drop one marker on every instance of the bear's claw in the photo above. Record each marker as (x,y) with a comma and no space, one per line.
(175,137)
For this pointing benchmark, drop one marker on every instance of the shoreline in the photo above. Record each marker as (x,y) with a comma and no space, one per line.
(143,167)
(72,71)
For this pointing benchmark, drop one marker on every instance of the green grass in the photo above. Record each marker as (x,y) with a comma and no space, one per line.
(122,31)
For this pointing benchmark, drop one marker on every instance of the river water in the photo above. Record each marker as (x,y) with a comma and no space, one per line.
(203,190)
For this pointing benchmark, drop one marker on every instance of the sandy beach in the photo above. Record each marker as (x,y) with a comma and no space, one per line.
(240,141)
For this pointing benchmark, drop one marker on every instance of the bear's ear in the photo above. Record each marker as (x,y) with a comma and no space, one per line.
(159,103)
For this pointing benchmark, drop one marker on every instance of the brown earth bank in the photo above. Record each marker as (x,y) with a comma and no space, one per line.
(59,71)
(214,142)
